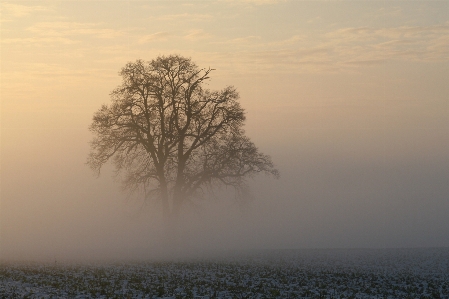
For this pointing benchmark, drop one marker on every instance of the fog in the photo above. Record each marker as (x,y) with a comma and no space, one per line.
(362,150)
(383,184)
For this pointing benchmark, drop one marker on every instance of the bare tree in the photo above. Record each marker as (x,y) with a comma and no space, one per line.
(170,137)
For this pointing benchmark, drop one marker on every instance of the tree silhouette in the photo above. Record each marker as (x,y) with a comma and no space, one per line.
(170,137)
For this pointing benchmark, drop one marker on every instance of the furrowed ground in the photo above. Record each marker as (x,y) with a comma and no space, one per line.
(382,273)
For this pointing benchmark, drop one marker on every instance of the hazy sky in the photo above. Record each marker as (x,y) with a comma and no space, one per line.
(350,98)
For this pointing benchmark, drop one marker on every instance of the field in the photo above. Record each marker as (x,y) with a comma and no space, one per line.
(337,273)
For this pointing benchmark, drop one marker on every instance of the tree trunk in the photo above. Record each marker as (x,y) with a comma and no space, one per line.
(165,199)
(178,195)
(177,202)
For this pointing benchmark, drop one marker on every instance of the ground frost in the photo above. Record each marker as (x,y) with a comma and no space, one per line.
(330,274)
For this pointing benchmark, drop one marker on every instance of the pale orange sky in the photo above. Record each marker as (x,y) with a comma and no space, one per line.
(351,100)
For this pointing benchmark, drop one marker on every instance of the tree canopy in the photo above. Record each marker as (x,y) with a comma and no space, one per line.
(170,137)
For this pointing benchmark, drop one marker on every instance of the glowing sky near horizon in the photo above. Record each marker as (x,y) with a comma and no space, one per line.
(350,99)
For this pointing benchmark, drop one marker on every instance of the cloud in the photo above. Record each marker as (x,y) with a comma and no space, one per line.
(395,42)
(255,41)
(197,34)
(337,50)
(240,40)
(291,41)
(50,71)
(390,12)
(263,2)
(158,36)
(189,17)
(73,29)
(19,10)
(358,34)
(49,33)
(38,40)
(439,46)
(273,61)
(368,33)
(315,20)
(366,44)
(256,2)
(340,50)
(371,62)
